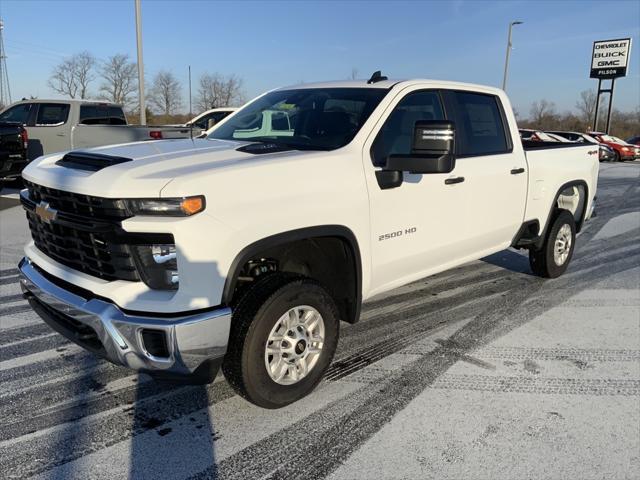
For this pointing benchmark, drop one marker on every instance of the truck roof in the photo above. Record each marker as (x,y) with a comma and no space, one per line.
(387,84)
(66,100)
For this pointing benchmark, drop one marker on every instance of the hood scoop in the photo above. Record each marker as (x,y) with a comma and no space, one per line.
(91,162)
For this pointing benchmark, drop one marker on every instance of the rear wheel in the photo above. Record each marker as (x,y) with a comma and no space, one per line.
(553,258)
(284,334)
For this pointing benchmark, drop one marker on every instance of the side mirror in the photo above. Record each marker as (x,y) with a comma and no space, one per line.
(432,150)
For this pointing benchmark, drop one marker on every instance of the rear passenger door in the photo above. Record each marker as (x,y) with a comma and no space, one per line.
(495,177)
(50,130)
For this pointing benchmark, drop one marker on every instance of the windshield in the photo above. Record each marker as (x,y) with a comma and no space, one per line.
(609,138)
(306,118)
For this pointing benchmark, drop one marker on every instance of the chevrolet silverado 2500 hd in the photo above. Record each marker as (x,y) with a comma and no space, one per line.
(179,256)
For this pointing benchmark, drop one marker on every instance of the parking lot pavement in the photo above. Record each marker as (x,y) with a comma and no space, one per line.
(9,197)
(482,372)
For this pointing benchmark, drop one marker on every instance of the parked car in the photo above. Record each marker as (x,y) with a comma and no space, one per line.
(606,153)
(208,119)
(623,150)
(575,136)
(559,138)
(535,135)
(61,125)
(248,251)
(634,140)
(13,151)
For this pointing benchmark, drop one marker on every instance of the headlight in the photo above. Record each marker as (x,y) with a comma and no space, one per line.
(157,265)
(169,207)
(625,149)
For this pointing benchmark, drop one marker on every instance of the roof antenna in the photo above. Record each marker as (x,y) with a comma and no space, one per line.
(377,77)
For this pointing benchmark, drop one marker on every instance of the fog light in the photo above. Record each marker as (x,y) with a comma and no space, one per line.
(158,266)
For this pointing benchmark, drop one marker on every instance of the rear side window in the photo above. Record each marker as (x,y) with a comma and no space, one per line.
(52,114)
(18,114)
(479,123)
(101,115)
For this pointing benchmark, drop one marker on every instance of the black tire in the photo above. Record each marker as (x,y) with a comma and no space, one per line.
(616,157)
(542,260)
(254,317)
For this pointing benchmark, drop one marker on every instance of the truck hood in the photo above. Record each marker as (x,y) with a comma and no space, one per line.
(153,165)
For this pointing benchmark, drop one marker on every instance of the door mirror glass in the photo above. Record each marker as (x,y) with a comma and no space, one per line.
(432,149)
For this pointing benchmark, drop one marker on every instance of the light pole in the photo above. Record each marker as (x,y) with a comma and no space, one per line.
(143,113)
(506,62)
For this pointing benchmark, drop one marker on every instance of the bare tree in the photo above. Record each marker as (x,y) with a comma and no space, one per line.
(586,106)
(165,93)
(119,76)
(543,113)
(216,90)
(73,75)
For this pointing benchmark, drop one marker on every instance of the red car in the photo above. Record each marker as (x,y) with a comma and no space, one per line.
(624,150)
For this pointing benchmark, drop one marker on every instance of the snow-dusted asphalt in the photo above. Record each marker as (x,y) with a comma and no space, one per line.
(482,372)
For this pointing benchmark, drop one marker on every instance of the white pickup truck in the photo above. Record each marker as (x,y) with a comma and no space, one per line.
(61,125)
(177,257)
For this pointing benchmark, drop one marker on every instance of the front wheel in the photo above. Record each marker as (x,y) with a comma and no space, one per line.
(553,258)
(284,334)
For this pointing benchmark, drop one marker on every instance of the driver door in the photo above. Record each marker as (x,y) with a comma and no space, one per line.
(415,228)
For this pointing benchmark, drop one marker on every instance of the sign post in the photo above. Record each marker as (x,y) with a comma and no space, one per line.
(609,60)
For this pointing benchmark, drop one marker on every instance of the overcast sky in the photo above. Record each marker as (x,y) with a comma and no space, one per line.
(270,44)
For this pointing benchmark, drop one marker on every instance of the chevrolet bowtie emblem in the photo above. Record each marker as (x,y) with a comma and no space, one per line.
(45,212)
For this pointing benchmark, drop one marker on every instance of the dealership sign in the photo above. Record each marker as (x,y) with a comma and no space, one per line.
(610,58)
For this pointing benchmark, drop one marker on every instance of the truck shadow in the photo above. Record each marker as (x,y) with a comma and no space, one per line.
(510,260)
(166,447)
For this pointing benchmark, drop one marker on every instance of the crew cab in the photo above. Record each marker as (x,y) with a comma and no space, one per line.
(177,257)
(60,125)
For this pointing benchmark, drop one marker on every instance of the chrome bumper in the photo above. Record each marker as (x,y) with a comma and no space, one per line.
(195,344)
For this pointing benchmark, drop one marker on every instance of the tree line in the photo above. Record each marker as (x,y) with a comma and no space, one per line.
(118,83)
(543,115)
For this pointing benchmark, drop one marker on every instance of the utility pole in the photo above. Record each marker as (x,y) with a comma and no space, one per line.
(5,89)
(506,62)
(143,113)
(190,114)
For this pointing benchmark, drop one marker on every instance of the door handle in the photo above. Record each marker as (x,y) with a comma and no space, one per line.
(451,181)
(516,171)
(61,134)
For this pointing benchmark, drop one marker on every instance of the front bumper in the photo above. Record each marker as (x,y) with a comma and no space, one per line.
(195,343)
(11,167)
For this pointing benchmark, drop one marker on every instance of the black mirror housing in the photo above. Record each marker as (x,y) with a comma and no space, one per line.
(432,150)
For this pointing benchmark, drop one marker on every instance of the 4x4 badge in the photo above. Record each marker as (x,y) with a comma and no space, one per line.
(45,212)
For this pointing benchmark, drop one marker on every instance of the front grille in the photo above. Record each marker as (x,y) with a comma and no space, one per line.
(93,253)
(85,232)
(78,204)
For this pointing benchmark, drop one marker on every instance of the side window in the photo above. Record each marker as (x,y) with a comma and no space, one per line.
(18,114)
(101,115)
(52,114)
(396,135)
(479,124)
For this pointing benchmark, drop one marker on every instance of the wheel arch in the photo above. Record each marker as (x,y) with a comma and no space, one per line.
(350,311)
(530,233)
(554,206)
